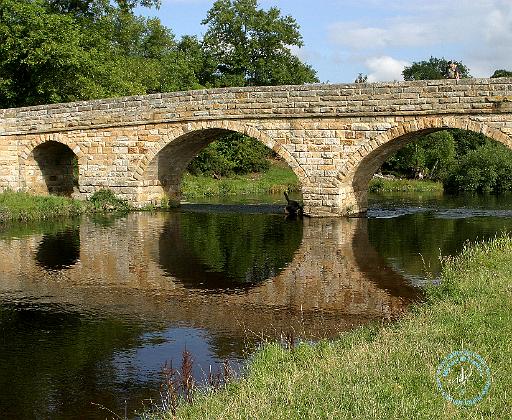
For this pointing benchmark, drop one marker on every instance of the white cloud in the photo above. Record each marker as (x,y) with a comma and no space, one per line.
(306,55)
(398,33)
(385,69)
(479,33)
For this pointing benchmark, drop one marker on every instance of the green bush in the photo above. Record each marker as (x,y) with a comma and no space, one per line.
(485,169)
(433,155)
(105,200)
(232,154)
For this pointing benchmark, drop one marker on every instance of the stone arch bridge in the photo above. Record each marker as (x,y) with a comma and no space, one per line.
(334,137)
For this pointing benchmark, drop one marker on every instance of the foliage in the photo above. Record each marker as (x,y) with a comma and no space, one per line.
(434,68)
(105,200)
(252,46)
(36,66)
(502,73)
(461,159)
(232,154)
(431,155)
(48,55)
(485,169)
(91,8)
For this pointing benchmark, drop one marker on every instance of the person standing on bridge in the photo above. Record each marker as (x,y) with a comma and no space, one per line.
(453,71)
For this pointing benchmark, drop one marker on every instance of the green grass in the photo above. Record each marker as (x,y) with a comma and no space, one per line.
(388,371)
(19,206)
(277,179)
(408,185)
(24,207)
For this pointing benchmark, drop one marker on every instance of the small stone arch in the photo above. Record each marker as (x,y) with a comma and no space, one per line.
(365,161)
(29,147)
(184,141)
(40,175)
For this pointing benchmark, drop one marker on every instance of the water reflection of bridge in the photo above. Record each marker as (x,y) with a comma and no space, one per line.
(335,280)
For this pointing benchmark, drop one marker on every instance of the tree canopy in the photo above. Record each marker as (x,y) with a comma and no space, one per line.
(66,50)
(502,73)
(432,69)
(251,46)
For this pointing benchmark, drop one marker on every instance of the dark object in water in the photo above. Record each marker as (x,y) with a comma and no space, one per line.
(293,207)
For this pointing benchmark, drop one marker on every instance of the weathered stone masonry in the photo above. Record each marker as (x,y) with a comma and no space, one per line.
(334,137)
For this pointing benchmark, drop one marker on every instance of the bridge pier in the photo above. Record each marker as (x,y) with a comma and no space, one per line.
(334,202)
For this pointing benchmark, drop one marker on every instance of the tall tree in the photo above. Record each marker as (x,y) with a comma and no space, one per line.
(49,56)
(434,68)
(502,73)
(252,46)
(90,8)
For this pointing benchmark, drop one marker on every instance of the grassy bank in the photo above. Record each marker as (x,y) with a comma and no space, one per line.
(24,207)
(388,372)
(277,179)
(17,206)
(407,185)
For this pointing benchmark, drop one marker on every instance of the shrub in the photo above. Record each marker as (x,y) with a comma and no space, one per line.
(485,169)
(105,200)
(232,154)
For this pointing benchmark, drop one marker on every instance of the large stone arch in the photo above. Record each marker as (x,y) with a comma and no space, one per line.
(367,159)
(40,174)
(181,143)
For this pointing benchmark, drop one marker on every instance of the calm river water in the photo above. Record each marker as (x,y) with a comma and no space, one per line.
(91,309)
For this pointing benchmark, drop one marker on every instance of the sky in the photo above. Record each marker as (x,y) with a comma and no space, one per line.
(343,38)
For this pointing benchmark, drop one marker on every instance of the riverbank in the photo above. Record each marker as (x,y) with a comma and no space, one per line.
(379,185)
(24,207)
(277,179)
(389,371)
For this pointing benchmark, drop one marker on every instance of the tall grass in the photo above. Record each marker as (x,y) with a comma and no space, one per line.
(388,371)
(24,207)
(19,206)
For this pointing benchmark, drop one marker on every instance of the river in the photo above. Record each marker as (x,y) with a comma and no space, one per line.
(92,309)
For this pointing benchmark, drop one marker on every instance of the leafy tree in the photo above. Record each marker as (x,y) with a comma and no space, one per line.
(252,46)
(232,154)
(48,56)
(485,169)
(244,46)
(502,73)
(434,68)
(431,155)
(466,141)
(92,8)
(197,59)
(40,55)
